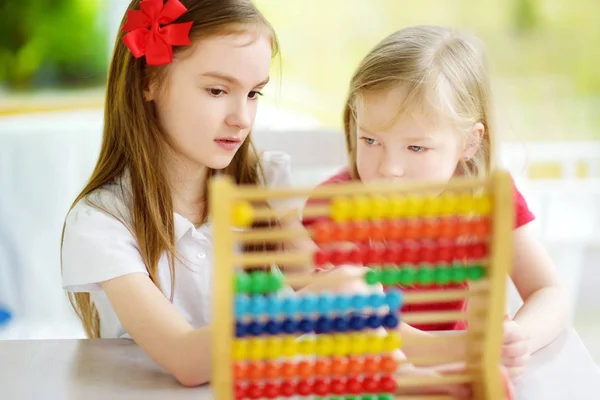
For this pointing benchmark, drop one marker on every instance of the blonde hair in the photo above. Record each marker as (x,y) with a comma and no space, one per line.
(442,70)
(133,140)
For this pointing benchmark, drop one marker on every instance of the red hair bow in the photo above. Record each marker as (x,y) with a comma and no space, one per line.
(151,35)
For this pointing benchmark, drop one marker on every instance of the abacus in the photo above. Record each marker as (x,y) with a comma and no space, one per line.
(325,345)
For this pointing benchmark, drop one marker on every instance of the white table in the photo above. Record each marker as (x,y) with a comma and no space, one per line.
(118,369)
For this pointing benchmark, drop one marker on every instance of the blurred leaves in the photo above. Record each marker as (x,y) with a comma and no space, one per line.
(51,43)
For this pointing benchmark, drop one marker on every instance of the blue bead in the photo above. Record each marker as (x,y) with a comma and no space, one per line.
(393,299)
(359,301)
(325,303)
(255,328)
(273,306)
(390,321)
(357,323)
(271,327)
(290,306)
(308,304)
(306,325)
(241,305)
(341,302)
(323,325)
(258,305)
(374,321)
(289,326)
(340,324)
(376,300)
(240,329)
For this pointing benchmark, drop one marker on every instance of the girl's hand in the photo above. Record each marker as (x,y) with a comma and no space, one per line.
(515,350)
(457,390)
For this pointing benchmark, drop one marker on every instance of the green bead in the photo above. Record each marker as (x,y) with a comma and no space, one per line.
(458,273)
(274,282)
(442,275)
(389,276)
(259,282)
(242,282)
(426,275)
(408,276)
(369,397)
(385,396)
(475,272)
(353,398)
(373,277)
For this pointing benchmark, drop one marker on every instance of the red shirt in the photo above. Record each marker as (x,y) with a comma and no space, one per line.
(523,216)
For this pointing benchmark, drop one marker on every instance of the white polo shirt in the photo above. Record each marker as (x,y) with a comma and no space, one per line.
(98,247)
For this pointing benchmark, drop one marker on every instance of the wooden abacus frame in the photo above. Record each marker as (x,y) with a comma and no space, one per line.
(486,309)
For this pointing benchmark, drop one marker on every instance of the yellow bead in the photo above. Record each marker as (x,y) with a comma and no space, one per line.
(307,346)
(413,207)
(361,207)
(449,204)
(242,214)
(396,207)
(483,205)
(340,209)
(240,349)
(392,341)
(324,345)
(289,347)
(341,345)
(379,207)
(359,343)
(432,206)
(273,348)
(257,349)
(466,204)
(374,343)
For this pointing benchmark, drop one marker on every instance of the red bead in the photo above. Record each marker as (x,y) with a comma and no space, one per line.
(320,387)
(337,386)
(338,257)
(461,253)
(445,252)
(375,255)
(270,391)
(254,391)
(428,254)
(303,387)
(321,257)
(370,385)
(355,256)
(287,389)
(387,384)
(392,254)
(478,251)
(239,391)
(411,254)
(354,385)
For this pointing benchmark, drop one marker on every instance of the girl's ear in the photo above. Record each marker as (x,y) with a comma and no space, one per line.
(473,140)
(150,91)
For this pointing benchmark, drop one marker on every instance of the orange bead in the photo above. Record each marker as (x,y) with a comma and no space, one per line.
(387,363)
(355,365)
(305,369)
(448,228)
(272,370)
(339,366)
(357,231)
(377,231)
(240,371)
(288,370)
(256,371)
(371,365)
(323,232)
(431,229)
(481,228)
(463,228)
(322,367)
(413,230)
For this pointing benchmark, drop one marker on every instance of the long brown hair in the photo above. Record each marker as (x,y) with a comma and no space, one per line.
(133,141)
(442,70)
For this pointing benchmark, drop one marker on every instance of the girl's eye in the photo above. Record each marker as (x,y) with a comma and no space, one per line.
(216,92)
(370,141)
(253,95)
(417,149)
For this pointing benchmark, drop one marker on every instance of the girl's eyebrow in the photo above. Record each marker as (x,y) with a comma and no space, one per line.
(232,79)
